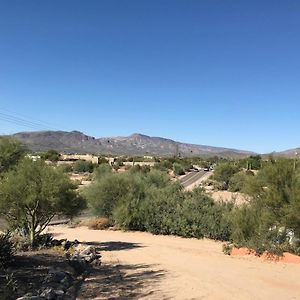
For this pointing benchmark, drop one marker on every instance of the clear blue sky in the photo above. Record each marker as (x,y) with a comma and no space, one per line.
(221,73)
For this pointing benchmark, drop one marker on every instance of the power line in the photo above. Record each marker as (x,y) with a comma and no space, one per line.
(19,121)
(31,124)
(26,121)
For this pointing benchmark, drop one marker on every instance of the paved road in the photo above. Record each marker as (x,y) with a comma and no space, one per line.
(191,178)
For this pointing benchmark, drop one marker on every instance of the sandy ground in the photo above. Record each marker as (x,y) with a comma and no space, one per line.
(168,267)
(227,196)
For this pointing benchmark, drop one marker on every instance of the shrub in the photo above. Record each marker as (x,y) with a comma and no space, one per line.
(239,180)
(138,168)
(178,169)
(102,160)
(224,172)
(244,224)
(66,168)
(127,214)
(81,166)
(150,201)
(164,165)
(101,171)
(21,243)
(161,209)
(205,218)
(104,193)
(120,161)
(51,155)
(6,250)
(99,224)
(227,248)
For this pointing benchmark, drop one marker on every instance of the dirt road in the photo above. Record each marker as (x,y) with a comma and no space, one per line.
(138,265)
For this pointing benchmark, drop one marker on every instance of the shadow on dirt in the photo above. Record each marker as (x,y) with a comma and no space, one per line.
(29,270)
(121,282)
(114,246)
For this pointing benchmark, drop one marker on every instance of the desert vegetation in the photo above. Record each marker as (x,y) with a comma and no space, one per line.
(148,200)
(32,193)
(144,198)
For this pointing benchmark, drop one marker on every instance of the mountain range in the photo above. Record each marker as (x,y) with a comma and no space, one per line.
(135,144)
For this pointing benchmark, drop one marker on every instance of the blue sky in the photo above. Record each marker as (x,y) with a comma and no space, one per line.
(220,73)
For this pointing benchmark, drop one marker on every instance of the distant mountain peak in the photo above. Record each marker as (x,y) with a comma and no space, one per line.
(139,135)
(135,144)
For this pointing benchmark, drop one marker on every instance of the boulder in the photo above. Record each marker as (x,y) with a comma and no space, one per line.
(48,293)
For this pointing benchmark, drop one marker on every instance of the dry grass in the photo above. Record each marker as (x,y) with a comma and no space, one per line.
(99,223)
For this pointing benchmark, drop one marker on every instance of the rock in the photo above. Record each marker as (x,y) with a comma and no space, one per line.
(67,281)
(57,242)
(67,245)
(71,290)
(78,264)
(30,296)
(89,254)
(88,250)
(71,293)
(56,277)
(48,294)
(96,262)
(59,294)
(79,247)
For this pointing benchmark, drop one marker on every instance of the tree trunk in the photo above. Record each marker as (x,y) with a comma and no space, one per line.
(32,230)
(31,236)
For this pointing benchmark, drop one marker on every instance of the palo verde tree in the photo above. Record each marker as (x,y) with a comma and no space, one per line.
(11,151)
(33,193)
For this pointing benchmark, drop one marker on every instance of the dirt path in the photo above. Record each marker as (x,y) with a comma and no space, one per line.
(139,265)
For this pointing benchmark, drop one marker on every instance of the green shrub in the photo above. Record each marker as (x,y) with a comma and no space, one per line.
(51,155)
(150,201)
(81,166)
(160,209)
(101,171)
(239,180)
(138,168)
(104,193)
(66,168)
(178,169)
(164,165)
(102,160)
(273,212)
(224,172)
(205,218)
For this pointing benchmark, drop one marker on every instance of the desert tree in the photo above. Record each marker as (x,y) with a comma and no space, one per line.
(33,193)
(11,151)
